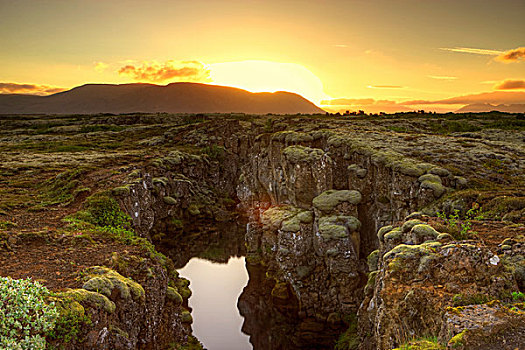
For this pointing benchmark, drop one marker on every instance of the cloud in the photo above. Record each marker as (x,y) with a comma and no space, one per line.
(472,50)
(32,89)
(385,87)
(101,66)
(341,45)
(169,70)
(442,77)
(510,56)
(495,97)
(510,85)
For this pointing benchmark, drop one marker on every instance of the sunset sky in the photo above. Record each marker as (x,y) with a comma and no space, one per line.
(371,54)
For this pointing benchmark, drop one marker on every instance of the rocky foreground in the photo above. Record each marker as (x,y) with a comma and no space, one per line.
(362,233)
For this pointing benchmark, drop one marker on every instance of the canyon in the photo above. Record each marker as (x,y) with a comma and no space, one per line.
(357,232)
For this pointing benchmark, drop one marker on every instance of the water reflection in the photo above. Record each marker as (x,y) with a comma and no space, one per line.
(213,260)
(216,288)
(276,324)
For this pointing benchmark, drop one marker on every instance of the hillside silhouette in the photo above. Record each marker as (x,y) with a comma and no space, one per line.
(172,98)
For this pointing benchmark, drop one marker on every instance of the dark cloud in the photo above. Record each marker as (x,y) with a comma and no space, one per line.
(510,85)
(514,55)
(33,89)
(170,70)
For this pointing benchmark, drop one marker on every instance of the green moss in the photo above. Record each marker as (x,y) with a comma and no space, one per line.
(439,171)
(336,227)
(186,317)
(371,282)
(437,188)
(169,200)
(100,285)
(383,230)
(393,235)
(273,217)
(408,167)
(291,137)
(423,232)
(372,260)
(174,296)
(122,191)
(163,181)
(194,209)
(71,322)
(429,177)
(90,298)
(445,237)
(61,188)
(328,200)
(298,154)
(407,226)
(293,224)
(183,289)
(470,299)
(457,341)
(104,280)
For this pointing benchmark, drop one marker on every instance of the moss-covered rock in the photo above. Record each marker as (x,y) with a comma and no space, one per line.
(439,171)
(272,218)
(429,177)
(422,232)
(104,281)
(383,230)
(173,295)
(372,260)
(293,224)
(186,317)
(328,200)
(92,299)
(408,225)
(437,188)
(336,227)
(298,154)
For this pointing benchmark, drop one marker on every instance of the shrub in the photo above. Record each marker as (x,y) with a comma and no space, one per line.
(106,212)
(24,316)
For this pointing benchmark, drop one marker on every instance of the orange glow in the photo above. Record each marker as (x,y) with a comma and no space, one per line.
(266,76)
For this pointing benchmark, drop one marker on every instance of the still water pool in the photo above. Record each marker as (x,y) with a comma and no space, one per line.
(216,288)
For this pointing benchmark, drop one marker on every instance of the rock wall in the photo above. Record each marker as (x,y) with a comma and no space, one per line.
(316,201)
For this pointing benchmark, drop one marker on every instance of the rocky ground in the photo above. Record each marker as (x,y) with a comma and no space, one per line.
(77,192)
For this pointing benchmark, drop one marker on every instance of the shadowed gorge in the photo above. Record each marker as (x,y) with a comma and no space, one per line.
(364,232)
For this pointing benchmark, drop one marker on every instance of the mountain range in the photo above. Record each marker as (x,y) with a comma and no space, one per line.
(172,98)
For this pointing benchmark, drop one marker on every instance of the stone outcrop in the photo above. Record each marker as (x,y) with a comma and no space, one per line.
(415,278)
(147,310)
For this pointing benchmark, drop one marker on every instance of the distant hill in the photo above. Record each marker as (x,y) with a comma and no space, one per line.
(172,98)
(487,107)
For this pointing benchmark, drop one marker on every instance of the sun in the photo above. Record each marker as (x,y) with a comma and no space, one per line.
(267,76)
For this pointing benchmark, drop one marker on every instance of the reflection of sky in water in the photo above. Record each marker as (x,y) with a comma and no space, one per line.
(216,288)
